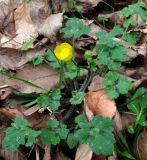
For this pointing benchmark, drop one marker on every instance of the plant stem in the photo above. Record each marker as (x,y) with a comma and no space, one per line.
(133,99)
(61,74)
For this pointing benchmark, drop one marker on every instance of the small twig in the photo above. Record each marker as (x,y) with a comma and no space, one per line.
(4,86)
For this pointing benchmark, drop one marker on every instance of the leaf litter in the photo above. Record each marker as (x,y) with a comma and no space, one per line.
(39,20)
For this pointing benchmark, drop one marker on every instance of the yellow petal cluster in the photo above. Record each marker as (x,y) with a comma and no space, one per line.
(64,52)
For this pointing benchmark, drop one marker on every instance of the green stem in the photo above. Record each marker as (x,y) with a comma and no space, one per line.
(61,74)
(22,80)
(31,103)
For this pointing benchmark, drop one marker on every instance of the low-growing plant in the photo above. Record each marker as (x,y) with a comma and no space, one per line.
(110,56)
(138,106)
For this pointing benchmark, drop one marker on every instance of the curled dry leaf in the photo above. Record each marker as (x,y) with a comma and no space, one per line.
(88,4)
(34,119)
(83,152)
(118,122)
(42,75)
(39,10)
(47,154)
(127,119)
(7,25)
(140,146)
(99,103)
(137,83)
(11,58)
(113,17)
(96,83)
(31,110)
(113,157)
(5,91)
(131,50)
(51,25)
(25,28)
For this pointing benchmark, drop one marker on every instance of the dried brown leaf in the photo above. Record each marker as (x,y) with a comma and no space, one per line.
(31,110)
(7,25)
(88,4)
(39,10)
(83,152)
(127,119)
(24,26)
(47,154)
(42,75)
(99,103)
(11,58)
(140,146)
(96,83)
(34,119)
(51,25)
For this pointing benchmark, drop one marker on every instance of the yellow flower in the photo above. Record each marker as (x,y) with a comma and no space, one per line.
(64,52)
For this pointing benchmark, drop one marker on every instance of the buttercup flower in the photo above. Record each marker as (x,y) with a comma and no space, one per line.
(64,52)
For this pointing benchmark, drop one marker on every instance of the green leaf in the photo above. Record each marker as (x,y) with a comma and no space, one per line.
(49,137)
(75,28)
(138,8)
(73,71)
(131,37)
(131,129)
(92,63)
(129,22)
(53,123)
(17,135)
(71,141)
(139,102)
(53,62)
(28,44)
(111,57)
(51,100)
(142,121)
(117,30)
(77,97)
(106,39)
(97,133)
(54,132)
(127,155)
(81,121)
(116,84)
(38,60)
(102,18)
